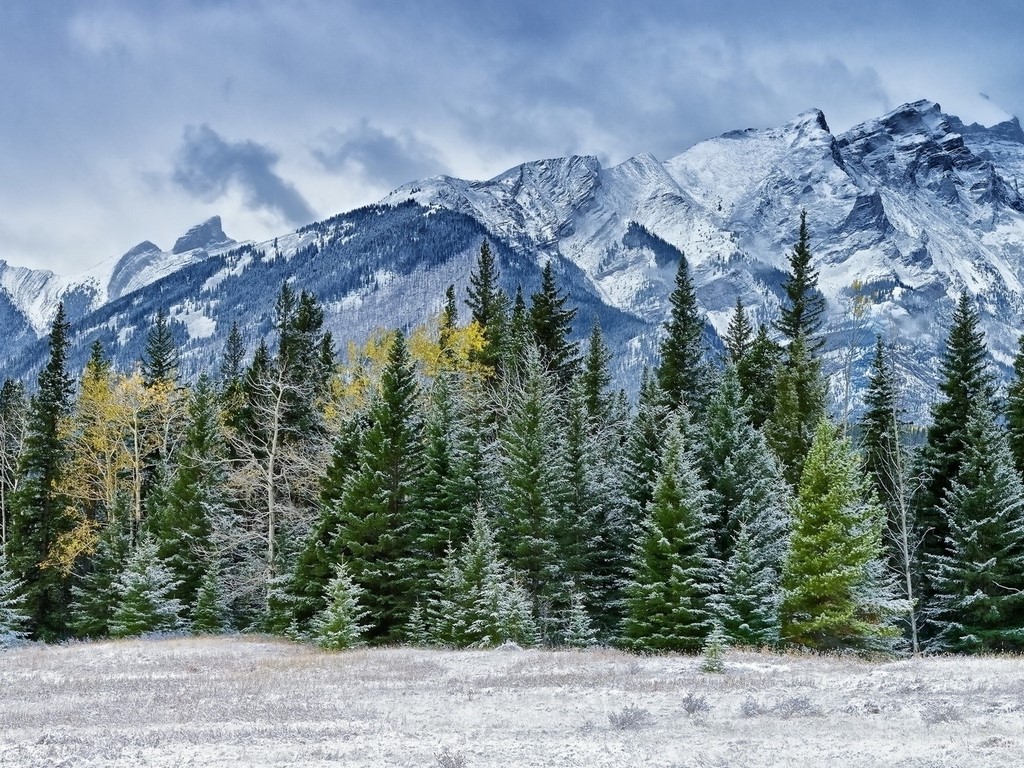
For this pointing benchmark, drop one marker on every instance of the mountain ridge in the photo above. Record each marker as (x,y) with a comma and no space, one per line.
(905,210)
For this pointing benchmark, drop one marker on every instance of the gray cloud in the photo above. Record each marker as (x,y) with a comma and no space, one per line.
(207,165)
(379,157)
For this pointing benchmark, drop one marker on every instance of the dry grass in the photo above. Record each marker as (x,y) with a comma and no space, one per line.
(263,702)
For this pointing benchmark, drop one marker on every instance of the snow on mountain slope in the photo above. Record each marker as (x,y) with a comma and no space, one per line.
(146,263)
(904,212)
(37,292)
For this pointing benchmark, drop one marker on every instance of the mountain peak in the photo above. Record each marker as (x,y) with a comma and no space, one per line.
(204,235)
(811,118)
(144,247)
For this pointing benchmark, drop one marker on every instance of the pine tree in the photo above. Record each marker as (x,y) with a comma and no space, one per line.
(339,626)
(966,382)
(579,630)
(144,591)
(518,336)
(450,487)
(801,315)
(552,326)
(746,607)
(744,480)
(376,508)
(39,511)
(757,370)
(799,407)
(160,362)
(881,426)
(94,592)
(232,370)
(478,601)
(595,377)
(684,374)
(1014,408)
(883,431)
(834,594)
(643,451)
(211,613)
(748,505)
(183,523)
(316,563)
(979,580)
(489,305)
(532,488)
(12,618)
(715,645)
(667,595)
(449,320)
(739,336)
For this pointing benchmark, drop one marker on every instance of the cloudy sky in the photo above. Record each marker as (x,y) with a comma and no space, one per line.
(131,120)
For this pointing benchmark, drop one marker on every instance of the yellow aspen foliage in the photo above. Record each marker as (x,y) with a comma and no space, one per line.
(356,380)
(72,544)
(99,456)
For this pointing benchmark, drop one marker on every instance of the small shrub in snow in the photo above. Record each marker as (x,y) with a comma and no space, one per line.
(751,707)
(941,713)
(629,718)
(695,705)
(446,758)
(796,706)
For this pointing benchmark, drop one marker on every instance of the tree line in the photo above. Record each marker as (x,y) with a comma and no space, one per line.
(477,480)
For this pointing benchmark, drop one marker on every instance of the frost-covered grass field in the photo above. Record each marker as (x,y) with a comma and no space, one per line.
(260,702)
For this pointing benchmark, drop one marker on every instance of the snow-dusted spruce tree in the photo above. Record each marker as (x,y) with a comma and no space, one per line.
(532,488)
(194,497)
(967,381)
(979,585)
(340,626)
(144,592)
(377,503)
(642,460)
(886,462)
(315,565)
(450,487)
(94,593)
(684,374)
(579,630)
(746,605)
(478,601)
(13,619)
(835,593)
(749,504)
(211,612)
(668,590)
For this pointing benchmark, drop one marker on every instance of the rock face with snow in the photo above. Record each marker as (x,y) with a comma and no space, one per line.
(146,263)
(905,211)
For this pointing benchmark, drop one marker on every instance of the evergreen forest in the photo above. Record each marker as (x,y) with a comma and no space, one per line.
(477,481)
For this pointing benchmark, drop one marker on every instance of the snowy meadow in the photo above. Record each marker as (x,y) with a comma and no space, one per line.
(266,702)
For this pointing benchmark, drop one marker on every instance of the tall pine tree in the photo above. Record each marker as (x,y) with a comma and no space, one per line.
(40,511)
(835,592)
(376,508)
(684,374)
(966,382)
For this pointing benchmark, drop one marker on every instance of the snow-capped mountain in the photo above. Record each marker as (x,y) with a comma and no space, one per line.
(905,211)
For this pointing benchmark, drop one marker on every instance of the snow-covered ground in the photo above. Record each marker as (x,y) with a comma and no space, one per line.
(262,702)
